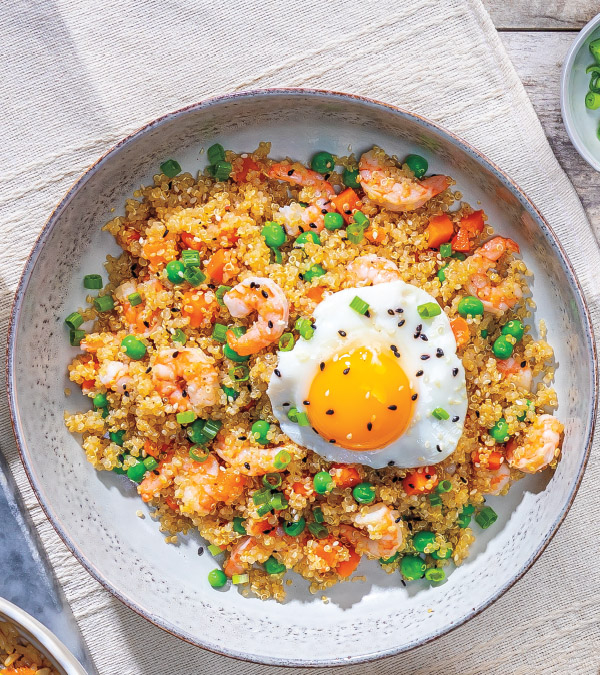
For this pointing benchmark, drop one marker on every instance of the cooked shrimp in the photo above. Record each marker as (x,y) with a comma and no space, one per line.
(498,479)
(186,377)
(157,480)
(373,269)
(386,185)
(138,318)
(385,535)
(514,371)
(295,217)
(235,564)
(114,375)
(538,447)
(251,460)
(501,297)
(257,294)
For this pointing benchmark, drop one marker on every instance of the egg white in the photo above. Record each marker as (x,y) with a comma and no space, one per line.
(427,440)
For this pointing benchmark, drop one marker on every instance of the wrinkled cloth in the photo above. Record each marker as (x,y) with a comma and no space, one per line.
(78,75)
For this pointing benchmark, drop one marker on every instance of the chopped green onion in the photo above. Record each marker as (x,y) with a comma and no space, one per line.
(263,509)
(179,336)
(216,153)
(211,428)
(318,514)
(484,334)
(359,305)
(435,500)
(293,414)
(305,328)
(170,168)
(592,100)
(295,528)
(435,574)
(238,579)
(428,310)
(486,517)
(198,453)
(282,459)
(239,374)
(271,480)
(214,549)
(444,486)
(440,414)
(303,420)
(194,276)
(286,342)
(355,233)
(186,417)
(134,299)
(238,525)
(150,463)
(92,281)
(278,502)
(273,566)
(74,320)
(75,337)
(190,257)
(230,392)
(463,520)
(261,496)
(459,255)
(595,49)
(222,170)
(446,250)
(220,292)
(441,274)
(220,332)
(469,509)
(360,219)
(317,530)
(104,303)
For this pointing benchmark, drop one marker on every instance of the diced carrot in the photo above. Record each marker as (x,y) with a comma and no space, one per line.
(346,202)
(328,556)
(316,293)
(420,482)
(347,567)
(470,226)
(151,449)
(260,526)
(345,476)
(374,235)
(247,165)
(189,241)
(216,266)
(198,309)
(439,230)
(18,671)
(495,459)
(301,489)
(473,222)
(460,328)
(171,503)
(462,241)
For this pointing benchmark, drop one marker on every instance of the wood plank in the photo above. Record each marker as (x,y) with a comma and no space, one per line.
(541,14)
(538,58)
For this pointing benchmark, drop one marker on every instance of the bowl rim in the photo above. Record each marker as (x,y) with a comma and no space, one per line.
(565,84)
(29,627)
(54,519)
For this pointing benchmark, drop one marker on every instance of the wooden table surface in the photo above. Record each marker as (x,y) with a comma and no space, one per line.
(537,35)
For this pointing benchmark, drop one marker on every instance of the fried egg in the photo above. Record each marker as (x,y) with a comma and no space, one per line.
(384,388)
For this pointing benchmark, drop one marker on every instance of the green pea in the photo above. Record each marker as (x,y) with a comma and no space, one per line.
(217,578)
(470,305)
(117,436)
(417,164)
(333,221)
(322,482)
(238,525)
(314,272)
(295,528)
(441,275)
(273,566)
(502,348)
(523,415)
(274,234)
(260,429)
(100,401)
(514,328)
(175,271)
(390,560)
(412,567)
(422,540)
(136,472)
(364,493)
(133,347)
(322,162)
(350,178)
(305,237)
(437,556)
(499,432)
(484,334)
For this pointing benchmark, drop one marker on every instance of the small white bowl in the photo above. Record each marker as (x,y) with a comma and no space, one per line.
(41,638)
(581,124)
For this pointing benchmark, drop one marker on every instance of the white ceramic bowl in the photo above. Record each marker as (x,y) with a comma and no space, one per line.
(41,638)
(581,124)
(95,512)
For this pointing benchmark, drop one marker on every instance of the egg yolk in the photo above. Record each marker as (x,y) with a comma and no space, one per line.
(360,399)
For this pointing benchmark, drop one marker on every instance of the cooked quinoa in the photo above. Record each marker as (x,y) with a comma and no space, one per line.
(18,656)
(185,448)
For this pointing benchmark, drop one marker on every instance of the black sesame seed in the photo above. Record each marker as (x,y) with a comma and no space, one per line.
(332,440)
(175,309)
(301,277)
(277,372)
(305,459)
(270,324)
(312,225)
(411,485)
(424,357)
(523,364)
(399,310)
(175,354)
(252,284)
(200,550)
(247,465)
(212,286)
(439,353)
(285,404)
(242,438)
(394,348)
(291,172)
(166,232)
(392,407)
(148,369)
(126,394)
(463,480)
(306,402)
(324,211)
(454,372)
(401,323)
(300,228)
(414,397)
(391,312)
(455,418)
(398,519)
(348,213)
(342,333)
(419,373)
(403,582)
(424,337)
(269,530)
(184,393)
(477,414)
(391,463)
(146,324)
(346,371)
(316,432)
(368,314)
(428,476)
(369,426)
(322,365)
(264,294)
(329,412)
(437,447)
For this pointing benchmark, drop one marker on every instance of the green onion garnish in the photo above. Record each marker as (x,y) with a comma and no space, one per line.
(443,486)
(238,525)
(293,414)
(198,453)
(74,320)
(211,428)
(190,257)
(220,332)
(261,496)
(305,328)
(186,417)
(263,509)
(195,432)
(303,419)
(170,168)
(282,459)
(220,292)
(92,281)
(221,170)
(359,305)
(360,219)
(446,250)
(231,393)
(428,310)
(486,517)
(271,480)
(440,414)
(317,530)
(76,336)
(435,500)
(134,299)
(194,276)
(286,342)
(216,153)
(463,520)
(318,514)
(104,303)
(239,374)
(214,549)
(435,574)
(179,336)
(355,233)
(150,463)
(278,502)
(237,579)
